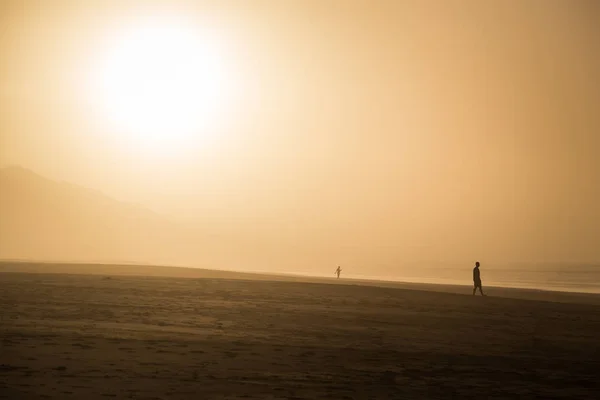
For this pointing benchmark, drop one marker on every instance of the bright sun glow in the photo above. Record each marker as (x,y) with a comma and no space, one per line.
(162,84)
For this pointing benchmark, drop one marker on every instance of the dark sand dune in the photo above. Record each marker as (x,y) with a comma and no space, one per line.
(99,336)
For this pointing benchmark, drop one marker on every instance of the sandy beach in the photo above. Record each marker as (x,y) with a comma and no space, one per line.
(199,334)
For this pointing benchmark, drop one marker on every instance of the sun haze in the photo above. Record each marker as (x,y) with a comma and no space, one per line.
(162,82)
(387,137)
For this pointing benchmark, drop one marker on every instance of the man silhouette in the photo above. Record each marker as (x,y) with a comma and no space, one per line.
(337,271)
(477,279)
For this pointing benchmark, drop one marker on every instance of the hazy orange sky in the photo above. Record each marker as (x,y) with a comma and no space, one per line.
(380,132)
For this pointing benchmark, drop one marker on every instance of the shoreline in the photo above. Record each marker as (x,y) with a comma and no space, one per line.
(95,335)
(149,271)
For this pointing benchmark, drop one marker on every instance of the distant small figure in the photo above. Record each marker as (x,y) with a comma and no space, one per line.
(338,271)
(477,279)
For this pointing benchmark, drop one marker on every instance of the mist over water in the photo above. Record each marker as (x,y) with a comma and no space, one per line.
(555,277)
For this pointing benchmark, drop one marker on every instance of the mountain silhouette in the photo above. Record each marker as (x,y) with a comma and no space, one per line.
(46,220)
(43,219)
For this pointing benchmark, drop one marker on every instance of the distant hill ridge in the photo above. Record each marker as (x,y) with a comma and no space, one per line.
(46,219)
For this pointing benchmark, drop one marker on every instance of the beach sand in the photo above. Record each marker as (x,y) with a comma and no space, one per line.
(213,335)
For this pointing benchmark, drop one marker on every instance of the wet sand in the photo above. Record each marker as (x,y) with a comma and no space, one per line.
(208,335)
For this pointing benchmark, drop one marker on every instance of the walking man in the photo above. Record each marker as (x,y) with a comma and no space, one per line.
(477,279)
